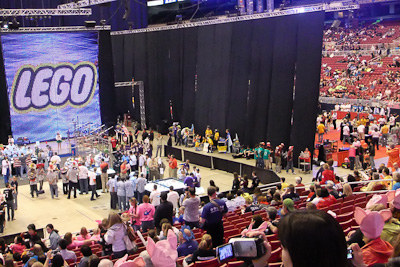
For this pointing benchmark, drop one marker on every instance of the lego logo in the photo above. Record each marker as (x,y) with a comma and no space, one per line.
(44,86)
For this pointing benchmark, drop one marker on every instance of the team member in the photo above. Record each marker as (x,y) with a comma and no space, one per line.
(83,179)
(52,177)
(14,185)
(92,182)
(72,175)
(8,192)
(104,176)
(111,186)
(212,217)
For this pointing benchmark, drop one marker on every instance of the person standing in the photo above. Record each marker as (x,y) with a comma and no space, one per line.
(24,165)
(145,213)
(277,155)
(173,167)
(6,169)
(64,179)
(40,174)
(52,177)
(104,176)
(371,151)
(14,185)
(93,182)
(173,197)
(59,141)
(56,159)
(33,179)
(228,140)
(141,183)
(111,186)
(346,134)
(266,156)
(124,168)
(321,131)
(164,210)
(212,217)
(72,175)
(375,137)
(132,161)
(129,192)
(121,194)
(334,118)
(17,164)
(289,164)
(8,193)
(83,179)
(155,197)
(191,203)
(159,144)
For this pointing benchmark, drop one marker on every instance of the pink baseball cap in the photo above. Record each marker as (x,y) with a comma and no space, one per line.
(394,198)
(371,222)
(377,199)
(164,253)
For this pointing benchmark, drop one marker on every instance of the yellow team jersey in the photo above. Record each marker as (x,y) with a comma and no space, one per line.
(321,128)
(208,132)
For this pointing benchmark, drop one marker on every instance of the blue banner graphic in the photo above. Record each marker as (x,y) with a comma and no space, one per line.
(52,80)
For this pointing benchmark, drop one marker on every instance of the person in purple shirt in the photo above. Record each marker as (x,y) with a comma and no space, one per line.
(188,244)
(189,180)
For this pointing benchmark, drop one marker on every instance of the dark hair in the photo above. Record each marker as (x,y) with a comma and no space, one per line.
(279,186)
(324,192)
(283,179)
(291,188)
(272,213)
(192,191)
(163,196)
(258,220)
(42,258)
(93,261)
(63,243)
(25,258)
(17,256)
(57,261)
(212,183)
(9,263)
(229,196)
(32,227)
(171,188)
(239,192)
(86,250)
(211,191)
(155,186)
(304,234)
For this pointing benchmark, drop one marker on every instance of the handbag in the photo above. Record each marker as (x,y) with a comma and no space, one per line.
(129,240)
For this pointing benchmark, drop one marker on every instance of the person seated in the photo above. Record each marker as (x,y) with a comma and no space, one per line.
(86,252)
(290,193)
(239,199)
(327,175)
(326,199)
(372,185)
(263,202)
(396,181)
(230,202)
(391,229)
(250,206)
(187,243)
(204,252)
(347,191)
(299,181)
(371,223)
(283,183)
(83,235)
(248,153)
(276,199)
(331,189)
(65,253)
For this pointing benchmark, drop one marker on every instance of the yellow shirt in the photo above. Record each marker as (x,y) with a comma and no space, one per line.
(385,129)
(321,128)
(216,136)
(388,184)
(210,141)
(208,133)
(284,185)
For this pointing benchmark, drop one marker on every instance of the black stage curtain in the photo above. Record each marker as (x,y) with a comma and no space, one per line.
(5,120)
(226,165)
(310,30)
(177,152)
(106,78)
(239,76)
(197,159)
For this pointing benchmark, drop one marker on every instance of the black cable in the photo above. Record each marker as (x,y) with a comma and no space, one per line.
(115,12)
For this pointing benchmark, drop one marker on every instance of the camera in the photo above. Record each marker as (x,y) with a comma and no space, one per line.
(349,253)
(251,248)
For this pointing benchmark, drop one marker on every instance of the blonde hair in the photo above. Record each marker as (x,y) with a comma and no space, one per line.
(206,242)
(347,190)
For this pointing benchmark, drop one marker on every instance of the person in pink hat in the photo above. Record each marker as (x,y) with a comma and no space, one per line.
(371,224)
(163,253)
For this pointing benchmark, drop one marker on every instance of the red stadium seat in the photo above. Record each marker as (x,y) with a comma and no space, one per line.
(235,263)
(209,263)
(344,217)
(346,209)
(275,264)
(347,224)
(276,255)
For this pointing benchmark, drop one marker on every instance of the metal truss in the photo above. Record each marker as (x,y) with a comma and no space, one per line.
(83,3)
(45,12)
(279,13)
(58,29)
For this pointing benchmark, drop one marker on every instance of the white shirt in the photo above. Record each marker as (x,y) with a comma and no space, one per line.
(392,120)
(382,120)
(375,134)
(92,178)
(56,159)
(83,172)
(346,130)
(173,197)
(132,160)
(382,111)
(360,128)
(155,198)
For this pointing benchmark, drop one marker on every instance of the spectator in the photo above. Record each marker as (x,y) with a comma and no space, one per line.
(326,199)
(115,235)
(145,213)
(396,181)
(164,210)
(347,191)
(205,250)
(164,252)
(299,181)
(66,254)
(250,206)
(287,207)
(191,204)
(290,193)
(327,175)
(86,252)
(332,190)
(187,243)
(276,199)
(173,197)
(18,246)
(212,217)
(230,203)
(93,261)
(294,232)
(155,197)
(54,237)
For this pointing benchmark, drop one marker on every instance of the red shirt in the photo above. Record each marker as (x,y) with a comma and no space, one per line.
(113,142)
(173,164)
(328,175)
(326,202)
(376,251)
(102,166)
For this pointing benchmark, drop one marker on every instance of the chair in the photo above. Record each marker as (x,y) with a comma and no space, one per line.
(335,206)
(241,226)
(275,264)
(275,255)
(71,262)
(344,217)
(209,263)
(346,209)
(272,237)
(275,244)
(235,263)
(231,232)
(347,224)
(360,204)
(179,260)
(352,197)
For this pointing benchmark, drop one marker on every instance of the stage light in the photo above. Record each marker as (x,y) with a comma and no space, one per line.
(90,24)
(178,19)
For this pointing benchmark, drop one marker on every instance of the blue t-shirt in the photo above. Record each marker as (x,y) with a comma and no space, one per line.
(211,213)
(187,248)
(396,186)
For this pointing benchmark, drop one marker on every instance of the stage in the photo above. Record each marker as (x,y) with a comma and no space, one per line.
(221,161)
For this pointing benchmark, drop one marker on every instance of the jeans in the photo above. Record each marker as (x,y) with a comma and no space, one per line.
(320,137)
(10,207)
(23,167)
(147,225)
(122,202)
(127,201)
(346,138)
(375,142)
(83,185)
(53,190)
(289,165)
(113,200)
(140,197)
(6,176)
(94,193)
(352,161)
(72,185)
(159,148)
(384,139)
(372,161)
(34,189)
